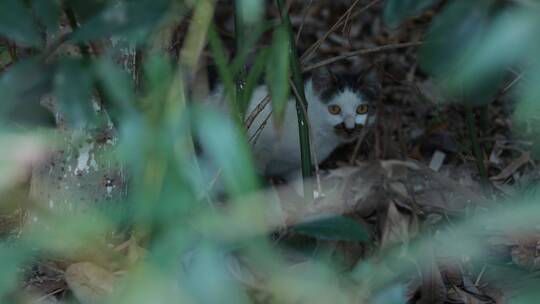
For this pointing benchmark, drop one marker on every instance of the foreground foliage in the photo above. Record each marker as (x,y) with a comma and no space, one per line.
(100,98)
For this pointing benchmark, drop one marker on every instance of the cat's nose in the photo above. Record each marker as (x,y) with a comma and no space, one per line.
(349,130)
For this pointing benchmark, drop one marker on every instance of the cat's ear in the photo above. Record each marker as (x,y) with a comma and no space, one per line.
(323,79)
(369,83)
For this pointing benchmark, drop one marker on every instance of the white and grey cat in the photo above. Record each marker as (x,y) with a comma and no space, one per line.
(339,107)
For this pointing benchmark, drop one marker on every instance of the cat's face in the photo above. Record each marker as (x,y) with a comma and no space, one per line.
(347,102)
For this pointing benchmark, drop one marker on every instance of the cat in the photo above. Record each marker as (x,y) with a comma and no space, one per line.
(340,106)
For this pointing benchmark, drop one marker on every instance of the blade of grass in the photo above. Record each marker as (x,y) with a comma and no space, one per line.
(225,74)
(302,118)
(477,149)
(254,76)
(240,78)
(196,38)
(277,74)
(248,29)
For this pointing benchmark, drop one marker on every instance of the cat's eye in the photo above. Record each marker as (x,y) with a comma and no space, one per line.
(362,109)
(334,109)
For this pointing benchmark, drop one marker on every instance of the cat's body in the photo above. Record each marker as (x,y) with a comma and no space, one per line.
(338,109)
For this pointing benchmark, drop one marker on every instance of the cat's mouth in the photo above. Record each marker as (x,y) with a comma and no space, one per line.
(348,134)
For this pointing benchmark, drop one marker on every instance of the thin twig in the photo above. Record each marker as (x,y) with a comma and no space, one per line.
(346,22)
(477,282)
(372,50)
(258,109)
(311,50)
(477,149)
(255,136)
(304,16)
(314,47)
(511,84)
(213,182)
(359,142)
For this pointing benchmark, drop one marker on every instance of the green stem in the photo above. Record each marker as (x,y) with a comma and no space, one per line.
(240,79)
(307,168)
(477,149)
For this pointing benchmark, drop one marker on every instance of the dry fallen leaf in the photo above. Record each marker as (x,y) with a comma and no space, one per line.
(513,166)
(397,227)
(89,283)
(432,290)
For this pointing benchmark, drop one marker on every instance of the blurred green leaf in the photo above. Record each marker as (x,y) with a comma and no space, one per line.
(456,36)
(228,150)
(335,228)
(73,88)
(23,80)
(226,75)
(87,8)
(158,72)
(48,12)
(509,40)
(250,11)
(453,35)
(277,73)
(209,280)
(527,112)
(393,295)
(125,17)
(17,23)
(158,78)
(253,77)
(66,231)
(395,11)
(12,256)
(117,86)
(148,284)
(21,89)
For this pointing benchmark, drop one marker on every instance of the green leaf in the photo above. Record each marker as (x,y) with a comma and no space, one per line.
(511,39)
(73,88)
(335,228)
(456,36)
(13,256)
(21,88)
(86,9)
(123,18)
(225,73)
(395,11)
(277,73)
(392,295)
(24,81)
(116,85)
(158,77)
(254,75)
(48,12)
(17,23)
(158,72)
(250,11)
(227,149)
(527,112)
(209,280)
